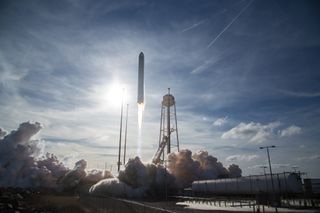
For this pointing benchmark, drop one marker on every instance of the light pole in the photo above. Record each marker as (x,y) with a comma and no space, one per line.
(265,176)
(125,137)
(267,147)
(264,169)
(119,155)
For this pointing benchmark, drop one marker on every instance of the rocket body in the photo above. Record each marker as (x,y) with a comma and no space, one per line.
(140,99)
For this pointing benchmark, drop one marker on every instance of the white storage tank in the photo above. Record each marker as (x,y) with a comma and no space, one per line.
(312,186)
(284,183)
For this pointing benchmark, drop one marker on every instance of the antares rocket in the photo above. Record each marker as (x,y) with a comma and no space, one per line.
(140,99)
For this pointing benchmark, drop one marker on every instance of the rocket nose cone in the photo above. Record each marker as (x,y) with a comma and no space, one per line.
(141,54)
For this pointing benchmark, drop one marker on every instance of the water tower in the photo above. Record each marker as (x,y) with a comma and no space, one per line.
(168,127)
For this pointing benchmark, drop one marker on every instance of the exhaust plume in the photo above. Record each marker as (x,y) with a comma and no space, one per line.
(23,165)
(136,180)
(140,179)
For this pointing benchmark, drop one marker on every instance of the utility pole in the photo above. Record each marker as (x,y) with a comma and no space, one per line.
(267,147)
(265,176)
(119,155)
(125,137)
(264,169)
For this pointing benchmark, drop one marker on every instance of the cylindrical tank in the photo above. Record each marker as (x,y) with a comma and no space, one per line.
(284,183)
(168,100)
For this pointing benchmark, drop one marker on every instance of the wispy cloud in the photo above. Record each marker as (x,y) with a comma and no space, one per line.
(291,130)
(228,25)
(194,25)
(205,65)
(301,94)
(220,121)
(309,158)
(258,133)
(273,165)
(241,157)
(254,132)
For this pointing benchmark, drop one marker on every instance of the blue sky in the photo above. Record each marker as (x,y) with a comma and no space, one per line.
(244,74)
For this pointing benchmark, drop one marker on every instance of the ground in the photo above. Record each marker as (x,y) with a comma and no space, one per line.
(18,200)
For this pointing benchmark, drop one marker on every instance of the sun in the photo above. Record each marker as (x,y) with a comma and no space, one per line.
(116,93)
(110,95)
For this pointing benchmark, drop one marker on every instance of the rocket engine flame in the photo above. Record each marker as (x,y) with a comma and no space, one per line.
(140,115)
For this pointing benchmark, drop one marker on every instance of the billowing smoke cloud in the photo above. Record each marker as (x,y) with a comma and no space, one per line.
(136,180)
(187,167)
(145,179)
(211,168)
(73,177)
(234,171)
(95,175)
(18,164)
(22,163)
(183,167)
(117,188)
(2,133)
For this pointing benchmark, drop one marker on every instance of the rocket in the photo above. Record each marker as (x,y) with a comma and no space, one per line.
(140,99)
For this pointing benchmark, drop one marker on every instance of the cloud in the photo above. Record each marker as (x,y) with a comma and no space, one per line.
(220,121)
(241,157)
(274,166)
(194,25)
(309,158)
(2,133)
(254,132)
(258,133)
(205,65)
(301,94)
(291,130)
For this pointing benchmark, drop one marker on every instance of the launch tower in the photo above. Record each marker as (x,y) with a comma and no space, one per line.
(168,126)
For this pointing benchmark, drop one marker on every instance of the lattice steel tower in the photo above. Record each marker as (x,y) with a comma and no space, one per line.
(168,126)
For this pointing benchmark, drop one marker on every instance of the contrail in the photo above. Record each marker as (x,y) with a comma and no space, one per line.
(233,20)
(194,25)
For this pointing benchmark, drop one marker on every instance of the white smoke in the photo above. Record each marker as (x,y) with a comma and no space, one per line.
(114,187)
(73,177)
(234,171)
(22,165)
(19,166)
(51,162)
(95,175)
(2,133)
(144,179)
(136,180)
(211,168)
(187,168)
(183,167)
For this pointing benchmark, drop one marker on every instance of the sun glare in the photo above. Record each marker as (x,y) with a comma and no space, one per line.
(116,92)
(111,95)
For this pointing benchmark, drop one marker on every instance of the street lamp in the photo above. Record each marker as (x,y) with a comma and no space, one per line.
(264,169)
(268,147)
(125,137)
(265,176)
(119,155)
